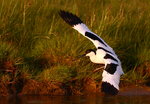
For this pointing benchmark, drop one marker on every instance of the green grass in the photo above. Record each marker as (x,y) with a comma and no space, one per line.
(41,44)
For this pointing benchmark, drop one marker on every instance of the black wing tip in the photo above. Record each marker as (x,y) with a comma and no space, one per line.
(69,18)
(108,89)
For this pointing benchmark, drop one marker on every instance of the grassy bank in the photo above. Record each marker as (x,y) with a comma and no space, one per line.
(36,43)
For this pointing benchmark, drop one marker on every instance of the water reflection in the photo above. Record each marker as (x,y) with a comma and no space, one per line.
(95,99)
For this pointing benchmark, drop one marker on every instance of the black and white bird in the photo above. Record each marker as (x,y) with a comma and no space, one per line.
(103,54)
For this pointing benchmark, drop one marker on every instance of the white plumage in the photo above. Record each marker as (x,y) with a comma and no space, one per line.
(104,54)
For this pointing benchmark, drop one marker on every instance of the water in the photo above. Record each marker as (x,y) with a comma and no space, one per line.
(94,99)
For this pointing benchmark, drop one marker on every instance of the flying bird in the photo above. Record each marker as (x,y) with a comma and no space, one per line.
(103,54)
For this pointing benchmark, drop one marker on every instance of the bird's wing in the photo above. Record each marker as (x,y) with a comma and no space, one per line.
(78,25)
(111,74)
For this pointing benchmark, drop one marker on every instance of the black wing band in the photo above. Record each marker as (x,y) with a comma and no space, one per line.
(105,50)
(107,56)
(94,37)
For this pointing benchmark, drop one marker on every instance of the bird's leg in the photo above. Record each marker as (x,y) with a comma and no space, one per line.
(98,69)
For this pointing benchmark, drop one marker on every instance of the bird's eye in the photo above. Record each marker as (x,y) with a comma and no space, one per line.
(88,51)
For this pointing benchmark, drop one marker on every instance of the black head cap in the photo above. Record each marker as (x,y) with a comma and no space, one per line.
(90,50)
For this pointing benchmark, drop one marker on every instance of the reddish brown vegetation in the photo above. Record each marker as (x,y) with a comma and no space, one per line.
(3,89)
(85,86)
(7,66)
(22,85)
(33,87)
(144,68)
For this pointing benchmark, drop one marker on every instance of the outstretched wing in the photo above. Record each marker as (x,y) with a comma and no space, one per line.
(111,74)
(78,25)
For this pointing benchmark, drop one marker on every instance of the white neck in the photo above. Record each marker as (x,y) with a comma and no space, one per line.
(93,59)
(92,56)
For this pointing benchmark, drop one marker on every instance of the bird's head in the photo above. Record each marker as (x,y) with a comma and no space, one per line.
(89,53)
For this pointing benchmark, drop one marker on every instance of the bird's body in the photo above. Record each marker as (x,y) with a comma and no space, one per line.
(103,54)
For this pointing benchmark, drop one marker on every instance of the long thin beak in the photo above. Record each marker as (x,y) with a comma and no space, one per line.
(80,56)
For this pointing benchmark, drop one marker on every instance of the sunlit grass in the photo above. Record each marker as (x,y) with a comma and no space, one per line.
(44,46)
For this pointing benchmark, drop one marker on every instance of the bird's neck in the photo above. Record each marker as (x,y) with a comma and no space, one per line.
(93,58)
